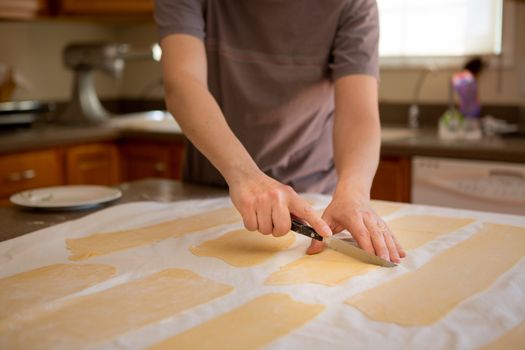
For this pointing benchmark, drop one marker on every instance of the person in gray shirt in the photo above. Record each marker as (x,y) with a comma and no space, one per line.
(279,97)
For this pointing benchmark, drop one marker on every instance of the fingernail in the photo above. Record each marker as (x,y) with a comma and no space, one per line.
(326,231)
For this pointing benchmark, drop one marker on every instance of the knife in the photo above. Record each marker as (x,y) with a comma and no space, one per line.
(341,245)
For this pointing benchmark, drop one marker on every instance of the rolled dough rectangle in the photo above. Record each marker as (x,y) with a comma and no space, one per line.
(383,208)
(424,296)
(332,268)
(243,248)
(110,242)
(250,326)
(33,288)
(99,317)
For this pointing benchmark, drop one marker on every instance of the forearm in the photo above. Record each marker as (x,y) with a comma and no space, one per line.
(203,123)
(357,132)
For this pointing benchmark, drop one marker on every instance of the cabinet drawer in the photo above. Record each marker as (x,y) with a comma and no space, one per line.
(144,159)
(23,171)
(94,164)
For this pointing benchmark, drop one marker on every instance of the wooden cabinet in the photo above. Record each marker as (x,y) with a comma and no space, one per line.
(103,163)
(111,7)
(94,164)
(88,164)
(22,9)
(28,170)
(143,159)
(392,180)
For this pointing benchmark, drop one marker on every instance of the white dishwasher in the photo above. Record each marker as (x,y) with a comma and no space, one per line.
(477,185)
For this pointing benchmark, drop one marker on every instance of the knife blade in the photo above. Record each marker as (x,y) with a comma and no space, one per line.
(341,245)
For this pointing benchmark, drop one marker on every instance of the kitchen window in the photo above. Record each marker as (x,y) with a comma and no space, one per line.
(440,28)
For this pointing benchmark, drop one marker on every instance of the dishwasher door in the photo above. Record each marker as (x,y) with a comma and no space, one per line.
(468,184)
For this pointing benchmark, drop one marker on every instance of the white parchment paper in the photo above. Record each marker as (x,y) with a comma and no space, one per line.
(475,322)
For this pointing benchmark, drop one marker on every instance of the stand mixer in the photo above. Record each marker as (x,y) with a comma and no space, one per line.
(84,58)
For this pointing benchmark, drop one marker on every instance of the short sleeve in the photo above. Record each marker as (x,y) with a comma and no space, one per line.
(180,16)
(355,46)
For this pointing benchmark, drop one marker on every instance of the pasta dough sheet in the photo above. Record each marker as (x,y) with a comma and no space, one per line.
(413,231)
(332,268)
(92,319)
(110,242)
(383,208)
(243,248)
(29,289)
(328,267)
(513,340)
(424,296)
(250,326)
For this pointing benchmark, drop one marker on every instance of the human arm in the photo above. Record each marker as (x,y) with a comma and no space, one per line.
(264,203)
(357,138)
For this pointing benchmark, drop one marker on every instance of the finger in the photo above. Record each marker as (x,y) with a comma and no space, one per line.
(250,220)
(303,210)
(391,246)
(281,219)
(400,249)
(376,235)
(315,247)
(246,208)
(356,226)
(264,219)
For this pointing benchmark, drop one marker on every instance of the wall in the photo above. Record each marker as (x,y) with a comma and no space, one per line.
(505,87)
(34,48)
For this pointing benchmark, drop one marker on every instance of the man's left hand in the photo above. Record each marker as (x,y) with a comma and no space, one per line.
(352,211)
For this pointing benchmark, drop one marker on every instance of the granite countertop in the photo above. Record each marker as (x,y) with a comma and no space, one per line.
(154,125)
(160,126)
(17,221)
(425,142)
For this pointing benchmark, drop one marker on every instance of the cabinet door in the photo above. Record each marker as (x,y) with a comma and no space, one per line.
(94,164)
(28,170)
(392,179)
(87,7)
(145,159)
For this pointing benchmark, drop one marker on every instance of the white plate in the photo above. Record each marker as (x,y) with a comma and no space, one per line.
(66,197)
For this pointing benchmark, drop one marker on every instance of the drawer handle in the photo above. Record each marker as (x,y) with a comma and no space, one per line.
(28,174)
(160,167)
(24,175)
(14,177)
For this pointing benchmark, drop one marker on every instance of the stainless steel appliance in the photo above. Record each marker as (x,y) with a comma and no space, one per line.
(84,58)
(478,185)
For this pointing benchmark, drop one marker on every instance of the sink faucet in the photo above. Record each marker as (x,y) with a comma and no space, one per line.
(413,111)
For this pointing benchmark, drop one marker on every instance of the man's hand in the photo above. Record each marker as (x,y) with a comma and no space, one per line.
(266,205)
(351,210)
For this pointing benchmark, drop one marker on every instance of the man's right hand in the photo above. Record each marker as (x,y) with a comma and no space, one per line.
(265,205)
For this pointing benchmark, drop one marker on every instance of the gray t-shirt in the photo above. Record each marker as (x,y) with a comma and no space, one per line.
(271,68)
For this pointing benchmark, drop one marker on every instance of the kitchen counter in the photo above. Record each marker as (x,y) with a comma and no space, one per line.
(159,126)
(18,221)
(425,142)
(154,125)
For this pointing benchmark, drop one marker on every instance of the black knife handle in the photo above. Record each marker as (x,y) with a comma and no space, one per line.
(306,230)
